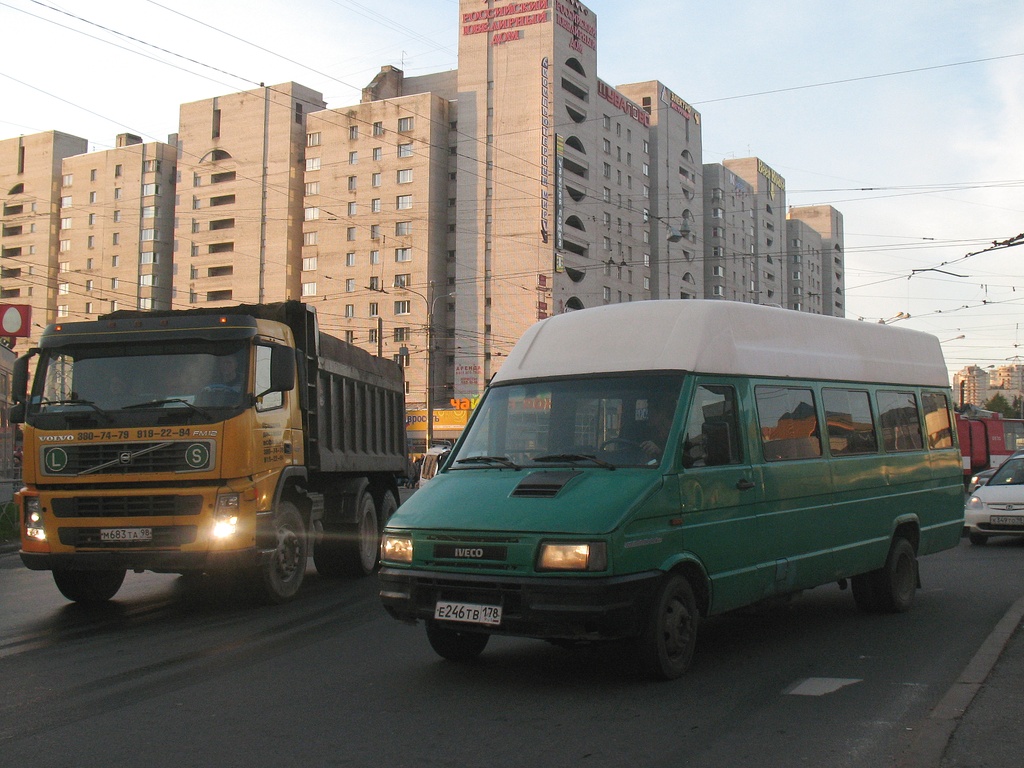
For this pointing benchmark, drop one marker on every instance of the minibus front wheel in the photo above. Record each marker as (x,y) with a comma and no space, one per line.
(665,646)
(454,644)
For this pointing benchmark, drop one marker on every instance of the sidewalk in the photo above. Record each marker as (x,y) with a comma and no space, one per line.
(979,723)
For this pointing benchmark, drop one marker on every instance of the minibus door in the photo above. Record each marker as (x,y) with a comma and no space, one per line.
(720,494)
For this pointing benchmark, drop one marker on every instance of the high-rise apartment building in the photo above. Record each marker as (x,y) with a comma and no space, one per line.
(433,221)
(116,229)
(828,223)
(34,198)
(241,191)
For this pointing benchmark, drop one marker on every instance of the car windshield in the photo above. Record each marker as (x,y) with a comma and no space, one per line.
(105,380)
(605,422)
(1010,473)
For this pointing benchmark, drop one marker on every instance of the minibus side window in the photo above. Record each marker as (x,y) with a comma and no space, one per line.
(901,421)
(851,430)
(937,420)
(789,423)
(712,430)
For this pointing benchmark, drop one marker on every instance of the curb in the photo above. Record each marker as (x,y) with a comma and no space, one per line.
(924,743)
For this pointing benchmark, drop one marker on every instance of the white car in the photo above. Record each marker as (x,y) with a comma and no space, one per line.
(997,507)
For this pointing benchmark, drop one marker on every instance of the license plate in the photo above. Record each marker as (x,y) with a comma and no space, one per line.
(1006,519)
(126,534)
(470,613)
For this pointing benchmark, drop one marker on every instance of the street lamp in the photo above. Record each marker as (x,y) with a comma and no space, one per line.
(429,303)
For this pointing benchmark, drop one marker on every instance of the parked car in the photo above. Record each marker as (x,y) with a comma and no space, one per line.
(997,507)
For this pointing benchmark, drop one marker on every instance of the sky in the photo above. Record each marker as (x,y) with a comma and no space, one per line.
(908,116)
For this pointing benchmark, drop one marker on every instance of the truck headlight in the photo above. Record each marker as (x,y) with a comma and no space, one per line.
(573,556)
(397,549)
(34,519)
(225,515)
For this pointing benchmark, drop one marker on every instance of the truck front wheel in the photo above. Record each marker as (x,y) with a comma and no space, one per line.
(88,586)
(281,576)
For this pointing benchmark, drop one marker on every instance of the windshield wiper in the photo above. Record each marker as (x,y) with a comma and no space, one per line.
(502,460)
(573,458)
(155,403)
(79,401)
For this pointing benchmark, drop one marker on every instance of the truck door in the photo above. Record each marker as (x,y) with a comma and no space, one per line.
(720,493)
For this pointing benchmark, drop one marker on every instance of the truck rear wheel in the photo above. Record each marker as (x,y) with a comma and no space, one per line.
(88,586)
(351,550)
(281,576)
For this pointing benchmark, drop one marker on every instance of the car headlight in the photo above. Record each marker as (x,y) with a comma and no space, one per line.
(572,556)
(975,504)
(34,519)
(396,549)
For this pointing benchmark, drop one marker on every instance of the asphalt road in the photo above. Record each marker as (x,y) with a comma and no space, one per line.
(168,675)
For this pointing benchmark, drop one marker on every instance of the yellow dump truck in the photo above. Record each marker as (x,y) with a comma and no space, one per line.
(211,441)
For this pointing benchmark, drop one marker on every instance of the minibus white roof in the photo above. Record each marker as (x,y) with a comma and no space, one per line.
(723,337)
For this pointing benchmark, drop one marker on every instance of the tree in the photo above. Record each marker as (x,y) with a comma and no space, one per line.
(1000,405)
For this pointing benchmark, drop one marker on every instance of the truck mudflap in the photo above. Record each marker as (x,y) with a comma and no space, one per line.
(540,607)
(160,562)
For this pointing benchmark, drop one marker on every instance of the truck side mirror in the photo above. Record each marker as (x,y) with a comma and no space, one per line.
(19,378)
(282,369)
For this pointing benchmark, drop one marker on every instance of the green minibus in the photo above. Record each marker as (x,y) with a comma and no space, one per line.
(634,468)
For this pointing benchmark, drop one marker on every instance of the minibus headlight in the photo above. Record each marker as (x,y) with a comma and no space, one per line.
(396,549)
(34,519)
(572,556)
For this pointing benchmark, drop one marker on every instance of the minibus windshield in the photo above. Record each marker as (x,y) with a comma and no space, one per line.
(606,421)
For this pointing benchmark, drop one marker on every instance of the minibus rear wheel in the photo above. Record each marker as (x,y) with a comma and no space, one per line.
(891,588)
(665,647)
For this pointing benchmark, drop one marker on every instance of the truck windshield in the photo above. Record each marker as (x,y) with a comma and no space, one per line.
(612,421)
(104,381)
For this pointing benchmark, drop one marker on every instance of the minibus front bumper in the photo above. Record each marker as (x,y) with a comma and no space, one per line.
(548,607)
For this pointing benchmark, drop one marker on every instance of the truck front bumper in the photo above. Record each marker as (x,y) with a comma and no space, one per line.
(565,608)
(160,562)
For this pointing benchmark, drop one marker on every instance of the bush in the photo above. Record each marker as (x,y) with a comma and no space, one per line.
(8,522)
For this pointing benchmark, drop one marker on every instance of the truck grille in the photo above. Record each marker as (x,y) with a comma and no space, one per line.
(126,458)
(127,506)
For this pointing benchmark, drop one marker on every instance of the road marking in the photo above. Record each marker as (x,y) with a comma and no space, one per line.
(819,686)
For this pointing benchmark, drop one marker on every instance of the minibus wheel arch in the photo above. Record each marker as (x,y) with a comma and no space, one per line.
(698,578)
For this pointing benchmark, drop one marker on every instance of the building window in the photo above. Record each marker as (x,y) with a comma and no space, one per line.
(403,254)
(150,189)
(353,158)
(375,205)
(313,139)
(402,281)
(378,129)
(62,310)
(405,176)
(312,213)
(310,238)
(402,307)
(405,150)
(401,334)
(374,309)
(353,131)
(309,263)
(403,227)
(403,202)
(378,154)
(405,124)
(350,259)
(375,231)
(309,289)
(351,183)
(350,310)
(312,163)
(350,234)
(353,207)
(375,180)
(312,187)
